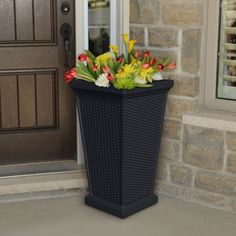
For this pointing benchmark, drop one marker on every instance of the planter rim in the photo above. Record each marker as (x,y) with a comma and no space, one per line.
(158,87)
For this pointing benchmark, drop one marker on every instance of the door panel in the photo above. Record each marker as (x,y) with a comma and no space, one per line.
(44,25)
(24,22)
(7,20)
(29,100)
(9,102)
(37,109)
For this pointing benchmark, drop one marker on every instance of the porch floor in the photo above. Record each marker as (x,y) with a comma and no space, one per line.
(68,216)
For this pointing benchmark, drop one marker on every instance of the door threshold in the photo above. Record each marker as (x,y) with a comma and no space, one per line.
(39,168)
(36,178)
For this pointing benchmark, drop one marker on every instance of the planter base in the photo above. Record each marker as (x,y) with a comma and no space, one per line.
(121,211)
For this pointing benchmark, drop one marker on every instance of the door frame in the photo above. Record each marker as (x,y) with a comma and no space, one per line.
(81,35)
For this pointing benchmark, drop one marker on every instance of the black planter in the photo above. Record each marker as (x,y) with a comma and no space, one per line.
(121,133)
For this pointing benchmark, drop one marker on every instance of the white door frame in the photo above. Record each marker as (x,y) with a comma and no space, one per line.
(120,11)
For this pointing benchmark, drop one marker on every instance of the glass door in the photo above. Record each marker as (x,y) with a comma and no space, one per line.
(101,25)
(99,29)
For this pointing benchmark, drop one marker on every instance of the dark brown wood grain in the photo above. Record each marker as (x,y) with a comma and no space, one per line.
(7,20)
(43,13)
(45,100)
(37,109)
(9,106)
(27,101)
(24,20)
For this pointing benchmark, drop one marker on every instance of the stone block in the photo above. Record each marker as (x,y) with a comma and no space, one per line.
(170,149)
(145,12)
(172,129)
(232,205)
(216,182)
(203,147)
(181,175)
(137,33)
(231,163)
(204,198)
(176,107)
(182,14)
(162,170)
(231,141)
(185,86)
(169,189)
(190,54)
(163,37)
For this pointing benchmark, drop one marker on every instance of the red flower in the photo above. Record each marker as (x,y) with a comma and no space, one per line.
(70,75)
(95,68)
(171,66)
(83,57)
(119,59)
(145,66)
(147,54)
(152,61)
(160,67)
(110,77)
(106,69)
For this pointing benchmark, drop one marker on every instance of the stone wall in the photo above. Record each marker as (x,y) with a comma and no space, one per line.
(196,164)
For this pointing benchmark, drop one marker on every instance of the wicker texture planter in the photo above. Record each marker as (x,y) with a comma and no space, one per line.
(121,133)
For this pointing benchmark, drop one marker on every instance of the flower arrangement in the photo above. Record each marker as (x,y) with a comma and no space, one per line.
(132,69)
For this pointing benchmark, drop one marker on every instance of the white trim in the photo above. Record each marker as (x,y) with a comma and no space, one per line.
(213,120)
(113,25)
(85,24)
(209,61)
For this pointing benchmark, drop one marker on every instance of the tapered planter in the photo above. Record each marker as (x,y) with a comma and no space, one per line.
(121,133)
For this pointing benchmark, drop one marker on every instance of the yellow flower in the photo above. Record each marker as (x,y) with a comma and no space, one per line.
(125,37)
(129,69)
(135,62)
(147,74)
(121,75)
(126,71)
(131,45)
(102,59)
(114,48)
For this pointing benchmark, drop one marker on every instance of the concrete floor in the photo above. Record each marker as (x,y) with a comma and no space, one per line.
(68,216)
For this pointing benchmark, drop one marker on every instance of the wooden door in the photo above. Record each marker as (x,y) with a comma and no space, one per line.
(37,110)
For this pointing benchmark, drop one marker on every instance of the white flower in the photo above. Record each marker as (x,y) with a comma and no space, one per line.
(157,76)
(139,80)
(102,81)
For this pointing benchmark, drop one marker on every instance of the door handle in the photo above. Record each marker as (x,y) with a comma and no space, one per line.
(66,31)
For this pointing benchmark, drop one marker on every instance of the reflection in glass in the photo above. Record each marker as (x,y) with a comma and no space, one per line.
(99,26)
(227,53)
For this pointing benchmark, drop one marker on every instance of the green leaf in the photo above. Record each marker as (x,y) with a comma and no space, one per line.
(166,61)
(110,64)
(120,65)
(82,69)
(90,55)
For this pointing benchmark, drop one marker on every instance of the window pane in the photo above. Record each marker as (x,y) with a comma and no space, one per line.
(227,51)
(99,26)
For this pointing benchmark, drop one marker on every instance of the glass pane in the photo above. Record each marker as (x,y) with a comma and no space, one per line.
(99,26)
(227,51)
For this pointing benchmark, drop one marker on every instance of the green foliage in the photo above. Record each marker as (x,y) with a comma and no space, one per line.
(84,72)
(90,55)
(124,83)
